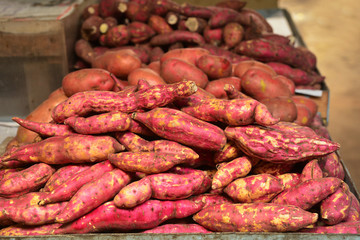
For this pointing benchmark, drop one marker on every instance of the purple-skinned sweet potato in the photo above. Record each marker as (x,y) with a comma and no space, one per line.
(145,216)
(27,180)
(93,194)
(237,168)
(233,112)
(254,188)
(178,186)
(101,123)
(254,217)
(34,215)
(279,146)
(74,183)
(62,174)
(74,148)
(178,228)
(308,193)
(176,125)
(45,129)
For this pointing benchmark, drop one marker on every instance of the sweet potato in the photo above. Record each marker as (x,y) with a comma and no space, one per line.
(239,167)
(65,191)
(140,32)
(133,142)
(159,24)
(116,36)
(34,215)
(254,217)
(233,4)
(195,24)
(27,180)
(255,188)
(241,67)
(178,228)
(21,230)
(138,11)
(283,108)
(90,28)
(300,196)
(304,115)
(62,174)
(45,129)
(74,148)
(177,36)
(278,146)
(225,15)
(214,66)
(233,112)
(233,34)
(190,55)
(93,194)
(233,93)
(41,113)
(107,8)
(109,22)
(92,9)
(308,102)
(259,84)
(311,170)
(175,70)
(213,36)
(331,166)
(182,128)
(227,153)
(178,186)
(298,76)
(84,51)
(86,80)
(270,51)
(101,123)
(149,162)
(210,199)
(147,74)
(289,180)
(145,216)
(216,87)
(120,62)
(335,208)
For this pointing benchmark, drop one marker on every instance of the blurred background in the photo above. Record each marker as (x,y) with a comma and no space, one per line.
(331,30)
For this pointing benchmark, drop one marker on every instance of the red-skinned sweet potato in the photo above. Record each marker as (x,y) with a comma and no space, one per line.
(289,180)
(93,194)
(21,230)
(311,170)
(331,166)
(147,74)
(230,55)
(213,36)
(233,34)
(282,108)
(274,169)
(90,28)
(341,228)
(177,36)
(241,67)
(214,67)
(84,51)
(178,228)
(140,32)
(159,24)
(216,87)
(190,55)
(182,128)
(254,217)
(109,217)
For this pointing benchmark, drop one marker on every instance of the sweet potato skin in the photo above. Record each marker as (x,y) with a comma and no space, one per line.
(147,74)
(254,217)
(214,66)
(216,87)
(178,228)
(283,108)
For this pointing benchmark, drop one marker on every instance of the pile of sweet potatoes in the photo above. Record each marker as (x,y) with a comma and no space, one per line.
(188,140)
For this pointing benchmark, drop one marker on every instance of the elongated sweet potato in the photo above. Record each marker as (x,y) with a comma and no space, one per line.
(175,70)
(233,112)
(62,174)
(241,68)
(255,188)
(213,36)
(214,66)
(233,34)
(177,36)
(140,32)
(239,167)
(341,228)
(331,166)
(65,191)
(300,196)
(233,4)
(190,55)
(133,142)
(254,217)
(159,24)
(230,55)
(289,180)
(45,129)
(74,148)
(149,162)
(145,216)
(84,51)
(21,230)
(274,169)
(183,128)
(270,51)
(27,180)
(101,123)
(227,153)
(93,194)
(279,146)
(87,79)
(210,199)
(178,228)
(34,215)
